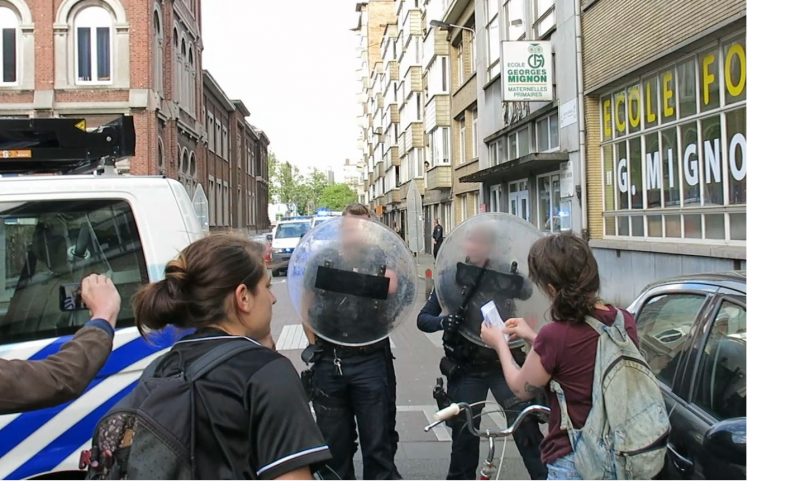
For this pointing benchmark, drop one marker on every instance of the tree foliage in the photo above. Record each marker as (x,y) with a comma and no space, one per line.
(337,196)
(303,195)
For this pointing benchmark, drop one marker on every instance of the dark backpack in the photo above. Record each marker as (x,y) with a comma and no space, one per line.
(149,434)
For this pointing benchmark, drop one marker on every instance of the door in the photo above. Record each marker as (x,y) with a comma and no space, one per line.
(718,385)
(518,198)
(668,322)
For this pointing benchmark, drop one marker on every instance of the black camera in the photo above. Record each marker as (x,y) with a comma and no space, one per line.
(69,297)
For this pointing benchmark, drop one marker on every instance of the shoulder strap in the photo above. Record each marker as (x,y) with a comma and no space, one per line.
(218,355)
(619,325)
(151,368)
(566,421)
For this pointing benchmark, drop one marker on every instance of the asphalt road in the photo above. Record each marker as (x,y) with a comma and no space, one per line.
(421,455)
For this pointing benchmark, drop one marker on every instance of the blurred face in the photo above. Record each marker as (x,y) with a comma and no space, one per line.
(353,227)
(478,246)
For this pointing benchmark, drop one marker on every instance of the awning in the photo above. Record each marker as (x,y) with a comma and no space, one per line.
(516,168)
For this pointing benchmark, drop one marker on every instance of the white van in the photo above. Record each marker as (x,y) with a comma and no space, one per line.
(53,231)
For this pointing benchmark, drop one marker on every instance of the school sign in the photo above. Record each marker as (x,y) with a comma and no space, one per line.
(527,71)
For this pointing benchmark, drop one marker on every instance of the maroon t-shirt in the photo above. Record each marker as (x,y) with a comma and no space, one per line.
(568,352)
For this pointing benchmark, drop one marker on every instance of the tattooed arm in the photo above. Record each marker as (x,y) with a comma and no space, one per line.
(524,380)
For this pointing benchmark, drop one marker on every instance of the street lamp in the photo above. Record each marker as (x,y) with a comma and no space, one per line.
(448,25)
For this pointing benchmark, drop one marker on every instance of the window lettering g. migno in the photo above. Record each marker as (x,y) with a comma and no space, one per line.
(676,138)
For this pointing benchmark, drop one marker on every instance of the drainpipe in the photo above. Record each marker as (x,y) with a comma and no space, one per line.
(581,119)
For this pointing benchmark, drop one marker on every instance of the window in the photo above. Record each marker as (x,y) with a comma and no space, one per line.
(544,17)
(160,154)
(676,141)
(512,146)
(665,326)
(445,145)
(210,124)
(523,142)
(547,133)
(93,45)
(494,198)
(475,134)
(158,58)
(191,82)
(462,203)
(549,203)
(515,19)
(212,201)
(462,140)
(177,66)
(492,39)
(44,249)
(459,78)
(225,152)
(445,77)
(722,381)
(9,26)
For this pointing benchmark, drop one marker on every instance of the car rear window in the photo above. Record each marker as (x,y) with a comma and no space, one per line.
(291,230)
(47,245)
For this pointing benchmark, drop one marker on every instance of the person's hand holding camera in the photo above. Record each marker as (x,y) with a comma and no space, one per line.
(452,322)
(101,297)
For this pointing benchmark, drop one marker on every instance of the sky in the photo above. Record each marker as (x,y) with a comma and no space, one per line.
(293,64)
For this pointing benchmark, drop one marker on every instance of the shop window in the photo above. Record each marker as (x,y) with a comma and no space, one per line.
(549,201)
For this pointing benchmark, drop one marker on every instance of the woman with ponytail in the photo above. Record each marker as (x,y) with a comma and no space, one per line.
(563,267)
(252,418)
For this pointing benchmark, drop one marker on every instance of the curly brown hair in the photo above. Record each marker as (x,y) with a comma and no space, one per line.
(566,262)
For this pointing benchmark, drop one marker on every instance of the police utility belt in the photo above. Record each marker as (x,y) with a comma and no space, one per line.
(325,348)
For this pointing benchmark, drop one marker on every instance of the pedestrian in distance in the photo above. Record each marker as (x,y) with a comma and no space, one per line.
(63,376)
(565,354)
(246,410)
(438,237)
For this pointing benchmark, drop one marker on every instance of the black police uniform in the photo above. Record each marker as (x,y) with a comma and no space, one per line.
(472,371)
(354,386)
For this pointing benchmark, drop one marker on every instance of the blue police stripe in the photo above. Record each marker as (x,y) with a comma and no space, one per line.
(64,445)
(49,349)
(28,423)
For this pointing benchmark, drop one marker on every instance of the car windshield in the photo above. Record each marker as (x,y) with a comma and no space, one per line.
(291,230)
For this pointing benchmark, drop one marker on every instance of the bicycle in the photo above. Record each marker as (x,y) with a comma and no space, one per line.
(488,469)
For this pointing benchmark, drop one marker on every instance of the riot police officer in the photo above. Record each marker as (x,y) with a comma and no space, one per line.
(355,285)
(473,269)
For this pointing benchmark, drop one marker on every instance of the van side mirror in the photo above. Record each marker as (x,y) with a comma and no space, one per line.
(727,440)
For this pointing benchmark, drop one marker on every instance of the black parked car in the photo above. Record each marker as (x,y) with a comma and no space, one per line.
(693,333)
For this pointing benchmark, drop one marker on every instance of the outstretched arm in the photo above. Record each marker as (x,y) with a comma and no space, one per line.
(524,380)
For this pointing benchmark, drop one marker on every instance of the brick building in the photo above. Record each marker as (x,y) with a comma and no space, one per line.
(665,115)
(99,59)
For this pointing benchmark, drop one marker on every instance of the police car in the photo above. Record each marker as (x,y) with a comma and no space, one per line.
(53,231)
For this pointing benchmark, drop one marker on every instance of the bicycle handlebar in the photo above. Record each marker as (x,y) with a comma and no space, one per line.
(455,408)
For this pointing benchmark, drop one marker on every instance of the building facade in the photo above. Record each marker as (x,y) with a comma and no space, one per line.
(666,103)
(529,152)
(463,107)
(100,59)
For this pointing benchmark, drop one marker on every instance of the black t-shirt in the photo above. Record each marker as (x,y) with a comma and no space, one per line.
(252,417)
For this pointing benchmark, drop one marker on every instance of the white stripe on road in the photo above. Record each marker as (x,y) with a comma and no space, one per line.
(292,337)
(442,435)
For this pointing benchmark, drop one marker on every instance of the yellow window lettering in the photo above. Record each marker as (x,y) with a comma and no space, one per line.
(607,117)
(669,108)
(708,77)
(620,100)
(648,94)
(737,50)
(633,114)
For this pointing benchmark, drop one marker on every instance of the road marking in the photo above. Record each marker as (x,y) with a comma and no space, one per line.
(292,337)
(441,432)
